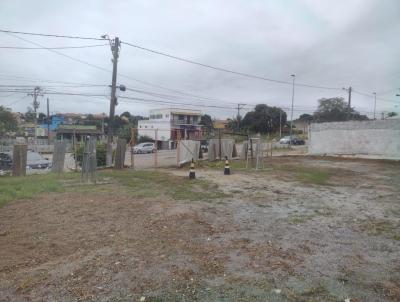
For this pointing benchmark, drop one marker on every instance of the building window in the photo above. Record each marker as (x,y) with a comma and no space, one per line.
(181,117)
(140,126)
(167,116)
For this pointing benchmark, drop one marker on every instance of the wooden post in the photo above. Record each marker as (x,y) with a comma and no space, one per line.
(76,155)
(251,149)
(133,138)
(120,154)
(59,157)
(178,154)
(19,160)
(89,161)
(156,148)
(219,140)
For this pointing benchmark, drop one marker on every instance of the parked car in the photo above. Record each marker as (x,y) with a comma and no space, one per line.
(284,140)
(295,140)
(144,148)
(33,161)
(5,161)
(37,161)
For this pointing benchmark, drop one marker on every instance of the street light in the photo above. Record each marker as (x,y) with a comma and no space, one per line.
(374,93)
(291,113)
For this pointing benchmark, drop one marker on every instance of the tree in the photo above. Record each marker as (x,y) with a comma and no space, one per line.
(125,132)
(29,116)
(206,121)
(336,110)
(7,121)
(42,118)
(391,114)
(306,117)
(264,119)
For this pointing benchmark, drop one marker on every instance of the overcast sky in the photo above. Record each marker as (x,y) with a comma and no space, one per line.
(324,43)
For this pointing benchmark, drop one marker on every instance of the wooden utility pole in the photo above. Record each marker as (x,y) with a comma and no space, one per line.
(238,115)
(35,104)
(115,45)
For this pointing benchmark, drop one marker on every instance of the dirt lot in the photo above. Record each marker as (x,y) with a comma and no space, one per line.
(302,229)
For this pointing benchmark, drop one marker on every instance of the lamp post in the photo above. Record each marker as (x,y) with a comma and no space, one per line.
(374,93)
(291,111)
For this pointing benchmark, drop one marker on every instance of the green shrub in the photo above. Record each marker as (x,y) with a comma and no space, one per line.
(101,151)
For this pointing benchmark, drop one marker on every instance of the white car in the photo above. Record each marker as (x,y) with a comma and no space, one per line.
(284,140)
(144,148)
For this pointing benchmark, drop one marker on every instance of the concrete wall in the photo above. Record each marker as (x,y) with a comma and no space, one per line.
(379,138)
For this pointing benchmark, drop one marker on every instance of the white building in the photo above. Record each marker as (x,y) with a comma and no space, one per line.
(169,125)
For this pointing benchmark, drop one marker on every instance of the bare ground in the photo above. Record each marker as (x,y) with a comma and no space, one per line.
(280,234)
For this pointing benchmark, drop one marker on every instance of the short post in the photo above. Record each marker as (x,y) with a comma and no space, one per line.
(156,147)
(59,157)
(19,160)
(178,152)
(132,146)
(120,154)
(89,161)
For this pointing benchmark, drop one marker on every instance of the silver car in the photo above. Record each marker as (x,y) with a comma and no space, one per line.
(144,148)
(34,161)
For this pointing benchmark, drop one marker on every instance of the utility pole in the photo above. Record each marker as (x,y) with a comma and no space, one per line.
(35,104)
(48,122)
(291,113)
(280,123)
(374,93)
(238,115)
(115,46)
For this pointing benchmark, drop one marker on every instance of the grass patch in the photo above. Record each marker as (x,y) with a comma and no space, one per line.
(14,188)
(309,175)
(155,184)
(380,227)
(220,164)
(139,184)
(299,219)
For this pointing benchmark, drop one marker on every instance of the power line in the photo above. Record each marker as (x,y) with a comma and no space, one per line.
(107,70)
(227,70)
(51,35)
(157,52)
(372,95)
(16,101)
(44,48)
(61,54)
(37,80)
(168,95)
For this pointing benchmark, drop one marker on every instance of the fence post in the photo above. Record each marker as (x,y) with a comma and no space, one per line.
(19,160)
(58,157)
(89,161)
(156,148)
(120,154)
